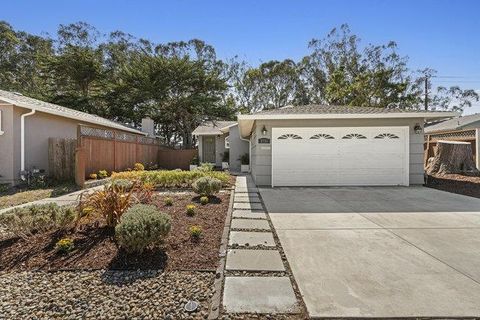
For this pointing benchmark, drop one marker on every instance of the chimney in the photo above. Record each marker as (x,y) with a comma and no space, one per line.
(148,126)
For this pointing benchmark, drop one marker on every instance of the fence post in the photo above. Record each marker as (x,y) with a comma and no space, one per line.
(80,166)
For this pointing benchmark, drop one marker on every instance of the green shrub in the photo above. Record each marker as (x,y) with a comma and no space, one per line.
(171,178)
(123,183)
(206,186)
(26,221)
(168,201)
(195,161)
(142,226)
(138,166)
(204,200)
(93,176)
(191,210)
(205,167)
(102,174)
(64,245)
(244,159)
(195,232)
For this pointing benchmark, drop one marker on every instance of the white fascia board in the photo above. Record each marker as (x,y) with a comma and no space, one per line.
(245,121)
(426,115)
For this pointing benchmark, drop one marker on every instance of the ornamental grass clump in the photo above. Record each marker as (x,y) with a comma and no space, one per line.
(206,186)
(102,174)
(23,222)
(110,203)
(141,227)
(138,166)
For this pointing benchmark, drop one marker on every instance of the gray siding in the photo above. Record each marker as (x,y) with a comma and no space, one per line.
(6,145)
(262,154)
(238,147)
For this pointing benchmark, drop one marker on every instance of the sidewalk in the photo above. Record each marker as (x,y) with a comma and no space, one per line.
(67,199)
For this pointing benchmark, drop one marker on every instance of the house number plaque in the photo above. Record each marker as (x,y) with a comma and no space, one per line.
(264,141)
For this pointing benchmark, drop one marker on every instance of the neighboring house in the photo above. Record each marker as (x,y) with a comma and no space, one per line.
(25,126)
(459,123)
(317,145)
(216,137)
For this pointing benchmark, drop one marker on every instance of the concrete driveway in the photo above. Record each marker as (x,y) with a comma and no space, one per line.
(380,251)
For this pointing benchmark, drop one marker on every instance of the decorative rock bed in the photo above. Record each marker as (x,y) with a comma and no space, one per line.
(104,294)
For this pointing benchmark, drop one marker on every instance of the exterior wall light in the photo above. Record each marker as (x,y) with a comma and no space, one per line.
(264,131)
(417,128)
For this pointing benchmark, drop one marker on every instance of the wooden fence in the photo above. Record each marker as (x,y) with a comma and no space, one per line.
(468,135)
(61,158)
(176,159)
(112,150)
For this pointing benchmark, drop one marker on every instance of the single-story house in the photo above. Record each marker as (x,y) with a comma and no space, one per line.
(217,137)
(318,145)
(458,123)
(26,124)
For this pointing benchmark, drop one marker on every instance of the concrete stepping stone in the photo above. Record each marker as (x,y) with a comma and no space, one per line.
(249,214)
(240,199)
(259,295)
(243,238)
(254,260)
(250,224)
(238,189)
(247,206)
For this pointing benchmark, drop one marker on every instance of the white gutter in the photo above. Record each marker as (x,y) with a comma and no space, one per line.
(1,131)
(22,139)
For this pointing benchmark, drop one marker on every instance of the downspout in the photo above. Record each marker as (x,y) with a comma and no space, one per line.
(1,131)
(22,142)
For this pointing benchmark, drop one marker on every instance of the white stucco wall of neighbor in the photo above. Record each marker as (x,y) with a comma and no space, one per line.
(261,165)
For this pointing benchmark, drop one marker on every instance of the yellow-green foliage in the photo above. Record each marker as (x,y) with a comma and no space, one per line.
(168,201)
(138,166)
(191,210)
(195,232)
(204,200)
(102,174)
(93,176)
(171,178)
(64,245)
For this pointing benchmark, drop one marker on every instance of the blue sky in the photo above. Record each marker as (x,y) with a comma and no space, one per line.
(440,34)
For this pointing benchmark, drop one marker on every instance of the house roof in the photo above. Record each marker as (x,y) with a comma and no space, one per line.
(20,100)
(213,128)
(454,124)
(316,111)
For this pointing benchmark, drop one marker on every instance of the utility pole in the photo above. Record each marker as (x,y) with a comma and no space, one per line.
(426,92)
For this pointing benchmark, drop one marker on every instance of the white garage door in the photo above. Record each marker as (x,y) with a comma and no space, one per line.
(353,156)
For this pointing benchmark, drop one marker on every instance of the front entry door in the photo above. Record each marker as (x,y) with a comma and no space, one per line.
(208,149)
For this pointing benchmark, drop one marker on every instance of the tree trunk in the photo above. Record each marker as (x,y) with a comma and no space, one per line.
(452,157)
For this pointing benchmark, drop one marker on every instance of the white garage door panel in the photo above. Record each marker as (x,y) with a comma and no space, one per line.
(340,156)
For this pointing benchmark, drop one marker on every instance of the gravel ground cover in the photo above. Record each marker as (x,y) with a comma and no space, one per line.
(95,246)
(104,294)
(456,183)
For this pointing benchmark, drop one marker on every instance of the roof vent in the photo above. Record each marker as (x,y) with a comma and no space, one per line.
(17,93)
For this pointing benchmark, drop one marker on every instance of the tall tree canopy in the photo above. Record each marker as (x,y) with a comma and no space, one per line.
(181,84)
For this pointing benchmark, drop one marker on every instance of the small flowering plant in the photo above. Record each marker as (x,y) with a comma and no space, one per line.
(191,210)
(64,245)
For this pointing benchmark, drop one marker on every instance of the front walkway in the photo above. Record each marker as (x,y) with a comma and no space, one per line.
(256,277)
(70,199)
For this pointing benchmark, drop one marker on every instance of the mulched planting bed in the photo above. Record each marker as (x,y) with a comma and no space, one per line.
(95,247)
(456,183)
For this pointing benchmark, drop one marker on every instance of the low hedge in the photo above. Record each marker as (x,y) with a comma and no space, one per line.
(171,178)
